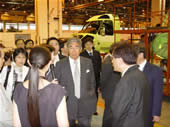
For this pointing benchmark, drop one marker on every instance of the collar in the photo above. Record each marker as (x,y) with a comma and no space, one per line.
(142,65)
(89,51)
(72,60)
(123,73)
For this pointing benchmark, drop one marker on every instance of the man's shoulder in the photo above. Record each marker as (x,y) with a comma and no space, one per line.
(95,51)
(63,61)
(85,59)
(153,67)
(84,52)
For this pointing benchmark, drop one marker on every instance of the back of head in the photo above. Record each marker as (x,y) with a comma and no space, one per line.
(140,48)
(49,47)
(2,46)
(39,57)
(126,52)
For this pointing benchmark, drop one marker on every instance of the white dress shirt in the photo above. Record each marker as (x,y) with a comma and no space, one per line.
(72,65)
(75,69)
(142,65)
(5,109)
(90,52)
(56,59)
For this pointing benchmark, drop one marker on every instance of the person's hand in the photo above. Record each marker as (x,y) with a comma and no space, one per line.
(55,81)
(156,118)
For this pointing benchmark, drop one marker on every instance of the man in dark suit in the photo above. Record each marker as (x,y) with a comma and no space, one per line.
(155,78)
(109,79)
(94,55)
(131,98)
(76,74)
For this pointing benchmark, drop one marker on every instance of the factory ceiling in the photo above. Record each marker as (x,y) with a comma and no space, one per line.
(77,11)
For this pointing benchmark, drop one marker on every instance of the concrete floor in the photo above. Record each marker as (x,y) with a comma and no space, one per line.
(164,121)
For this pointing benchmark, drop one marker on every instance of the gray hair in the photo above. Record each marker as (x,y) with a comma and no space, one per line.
(74,39)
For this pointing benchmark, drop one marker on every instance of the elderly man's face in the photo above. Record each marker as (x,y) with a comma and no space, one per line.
(74,50)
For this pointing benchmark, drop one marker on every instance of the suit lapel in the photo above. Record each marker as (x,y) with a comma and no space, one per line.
(145,70)
(82,74)
(69,72)
(131,69)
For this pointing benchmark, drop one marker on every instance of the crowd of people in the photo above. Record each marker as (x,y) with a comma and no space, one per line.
(57,85)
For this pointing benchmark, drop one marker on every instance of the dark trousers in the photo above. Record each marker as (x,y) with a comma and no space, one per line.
(107,116)
(83,121)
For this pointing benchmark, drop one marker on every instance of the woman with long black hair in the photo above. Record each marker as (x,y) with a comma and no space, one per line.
(37,102)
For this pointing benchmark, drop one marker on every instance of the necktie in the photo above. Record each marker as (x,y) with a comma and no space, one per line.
(76,80)
(90,54)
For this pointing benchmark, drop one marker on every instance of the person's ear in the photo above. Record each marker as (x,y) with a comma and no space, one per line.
(141,55)
(120,61)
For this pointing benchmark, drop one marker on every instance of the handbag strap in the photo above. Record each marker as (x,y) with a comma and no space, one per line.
(7,75)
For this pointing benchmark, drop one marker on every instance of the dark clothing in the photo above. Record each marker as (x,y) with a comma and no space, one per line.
(86,105)
(107,59)
(61,56)
(49,100)
(49,75)
(82,122)
(155,78)
(96,61)
(131,100)
(109,79)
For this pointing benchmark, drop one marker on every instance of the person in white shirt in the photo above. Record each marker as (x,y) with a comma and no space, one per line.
(154,75)
(5,103)
(131,98)
(17,72)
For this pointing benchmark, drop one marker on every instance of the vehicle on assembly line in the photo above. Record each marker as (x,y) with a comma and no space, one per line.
(100,29)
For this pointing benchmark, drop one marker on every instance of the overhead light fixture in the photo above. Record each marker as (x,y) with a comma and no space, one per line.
(100,0)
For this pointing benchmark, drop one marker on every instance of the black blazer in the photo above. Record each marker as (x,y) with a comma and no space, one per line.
(109,79)
(155,78)
(131,100)
(86,105)
(96,60)
(61,56)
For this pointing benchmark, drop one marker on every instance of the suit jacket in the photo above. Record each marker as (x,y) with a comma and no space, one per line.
(131,100)
(96,60)
(109,79)
(86,105)
(61,56)
(155,78)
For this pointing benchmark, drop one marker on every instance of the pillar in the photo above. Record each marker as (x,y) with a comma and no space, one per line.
(156,7)
(48,19)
